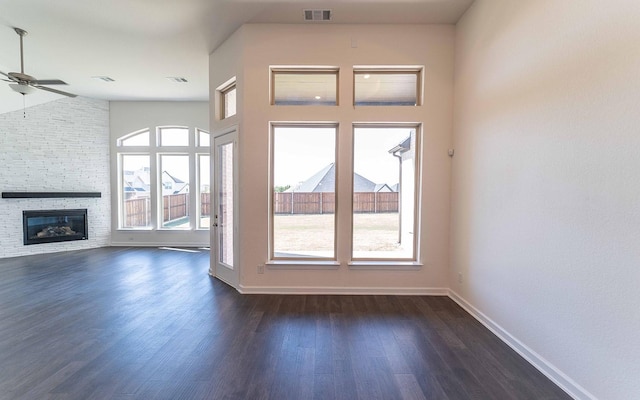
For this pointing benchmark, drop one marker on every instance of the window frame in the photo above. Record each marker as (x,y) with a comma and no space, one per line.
(121,194)
(220,98)
(296,70)
(375,262)
(284,262)
(155,151)
(224,101)
(390,70)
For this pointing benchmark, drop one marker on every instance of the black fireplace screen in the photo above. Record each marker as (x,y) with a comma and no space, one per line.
(46,226)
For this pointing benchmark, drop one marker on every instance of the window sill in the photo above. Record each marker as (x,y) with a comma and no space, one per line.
(302,264)
(386,265)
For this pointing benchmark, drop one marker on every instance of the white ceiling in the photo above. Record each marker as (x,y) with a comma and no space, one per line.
(139,43)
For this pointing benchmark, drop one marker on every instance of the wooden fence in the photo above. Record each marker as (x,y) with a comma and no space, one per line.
(175,206)
(324,203)
(137,211)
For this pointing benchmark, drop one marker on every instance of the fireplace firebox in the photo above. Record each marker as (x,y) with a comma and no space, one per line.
(47,226)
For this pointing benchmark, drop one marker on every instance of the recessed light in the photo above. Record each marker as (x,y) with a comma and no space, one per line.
(318,97)
(177,79)
(103,78)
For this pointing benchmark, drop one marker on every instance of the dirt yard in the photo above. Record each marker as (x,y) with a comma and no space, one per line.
(372,232)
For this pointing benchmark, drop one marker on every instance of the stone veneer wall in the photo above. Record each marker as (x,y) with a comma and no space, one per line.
(62,145)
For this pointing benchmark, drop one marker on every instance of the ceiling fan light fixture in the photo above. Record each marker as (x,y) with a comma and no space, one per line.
(103,78)
(177,79)
(22,88)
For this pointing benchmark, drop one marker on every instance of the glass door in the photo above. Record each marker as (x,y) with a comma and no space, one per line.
(224,227)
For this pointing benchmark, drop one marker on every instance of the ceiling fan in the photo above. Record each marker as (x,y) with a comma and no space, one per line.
(25,84)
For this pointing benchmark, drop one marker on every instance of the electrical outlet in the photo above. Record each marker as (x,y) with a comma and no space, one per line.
(261,269)
(459,277)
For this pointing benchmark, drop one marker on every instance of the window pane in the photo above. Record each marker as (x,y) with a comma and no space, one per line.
(174,137)
(384,187)
(204,139)
(305,88)
(136,139)
(229,102)
(225,204)
(304,192)
(385,88)
(204,208)
(136,183)
(175,191)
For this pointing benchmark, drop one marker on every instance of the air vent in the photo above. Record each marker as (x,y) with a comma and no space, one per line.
(103,78)
(177,79)
(317,15)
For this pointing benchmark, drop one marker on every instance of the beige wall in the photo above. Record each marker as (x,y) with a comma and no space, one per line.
(546,183)
(251,51)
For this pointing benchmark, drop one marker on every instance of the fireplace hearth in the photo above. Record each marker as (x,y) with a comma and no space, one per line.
(47,226)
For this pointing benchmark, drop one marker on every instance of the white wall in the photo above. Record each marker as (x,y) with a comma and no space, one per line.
(546,185)
(248,55)
(62,145)
(131,116)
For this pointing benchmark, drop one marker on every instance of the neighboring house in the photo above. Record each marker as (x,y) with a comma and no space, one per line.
(173,185)
(138,183)
(324,181)
(383,187)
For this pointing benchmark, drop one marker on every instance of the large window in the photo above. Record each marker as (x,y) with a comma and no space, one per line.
(155,175)
(384,192)
(303,185)
(135,189)
(383,159)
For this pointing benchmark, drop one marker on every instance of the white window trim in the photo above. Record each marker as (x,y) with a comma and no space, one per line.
(301,262)
(383,263)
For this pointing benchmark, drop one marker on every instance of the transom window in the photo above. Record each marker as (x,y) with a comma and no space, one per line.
(386,87)
(304,86)
(226,101)
(174,136)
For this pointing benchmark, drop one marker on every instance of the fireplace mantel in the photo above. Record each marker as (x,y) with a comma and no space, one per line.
(48,195)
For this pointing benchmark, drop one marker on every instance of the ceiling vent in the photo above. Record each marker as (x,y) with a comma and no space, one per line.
(317,15)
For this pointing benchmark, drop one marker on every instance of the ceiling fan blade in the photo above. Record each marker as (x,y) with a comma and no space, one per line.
(56,91)
(9,76)
(49,82)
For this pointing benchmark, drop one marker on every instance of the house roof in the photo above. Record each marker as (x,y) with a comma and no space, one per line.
(325,181)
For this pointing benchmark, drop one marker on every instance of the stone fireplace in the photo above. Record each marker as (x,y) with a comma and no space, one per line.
(47,226)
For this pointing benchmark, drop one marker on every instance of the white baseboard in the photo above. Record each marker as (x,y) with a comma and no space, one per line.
(344,290)
(155,244)
(540,363)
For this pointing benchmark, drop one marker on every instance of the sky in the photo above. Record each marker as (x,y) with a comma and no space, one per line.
(301,152)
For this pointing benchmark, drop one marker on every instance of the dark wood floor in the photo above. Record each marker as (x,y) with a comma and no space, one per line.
(120,323)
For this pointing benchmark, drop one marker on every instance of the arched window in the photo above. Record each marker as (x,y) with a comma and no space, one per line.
(164,179)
